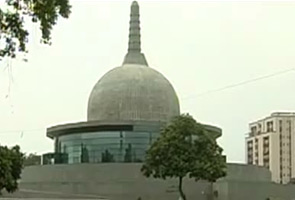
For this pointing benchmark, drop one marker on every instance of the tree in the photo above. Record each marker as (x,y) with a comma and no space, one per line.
(107,157)
(84,154)
(184,148)
(14,35)
(11,164)
(128,153)
(32,159)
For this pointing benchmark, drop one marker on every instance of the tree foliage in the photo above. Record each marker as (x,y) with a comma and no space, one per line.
(107,157)
(128,154)
(183,149)
(14,35)
(11,164)
(84,154)
(32,159)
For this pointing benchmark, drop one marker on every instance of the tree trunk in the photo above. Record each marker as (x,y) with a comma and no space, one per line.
(182,195)
(211,195)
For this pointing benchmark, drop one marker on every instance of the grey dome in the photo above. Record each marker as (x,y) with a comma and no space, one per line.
(133,92)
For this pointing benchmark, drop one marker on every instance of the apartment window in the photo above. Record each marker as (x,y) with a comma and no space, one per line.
(266,152)
(269,126)
(256,140)
(259,128)
(266,143)
(256,154)
(250,152)
(290,149)
(281,126)
(256,143)
(253,129)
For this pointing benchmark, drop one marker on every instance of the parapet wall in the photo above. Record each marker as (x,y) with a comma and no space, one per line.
(118,181)
(249,173)
(124,181)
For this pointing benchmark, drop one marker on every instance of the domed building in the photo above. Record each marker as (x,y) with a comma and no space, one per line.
(127,108)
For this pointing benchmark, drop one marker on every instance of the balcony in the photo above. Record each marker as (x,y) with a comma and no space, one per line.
(253,134)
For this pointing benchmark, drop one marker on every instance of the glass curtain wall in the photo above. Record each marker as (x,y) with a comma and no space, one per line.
(114,146)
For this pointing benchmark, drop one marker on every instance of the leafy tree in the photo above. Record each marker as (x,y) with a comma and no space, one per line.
(32,159)
(84,154)
(11,164)
(14,35)
(128,154)
(184,148)
(107,157)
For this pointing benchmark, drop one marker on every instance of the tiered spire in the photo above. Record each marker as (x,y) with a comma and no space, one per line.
(134,55)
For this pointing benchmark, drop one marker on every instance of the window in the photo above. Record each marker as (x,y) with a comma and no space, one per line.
(280,126)
(253,130)
(111,146)
(269,126)
(259,128)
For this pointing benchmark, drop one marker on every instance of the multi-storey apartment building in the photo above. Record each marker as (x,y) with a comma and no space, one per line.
(271,143)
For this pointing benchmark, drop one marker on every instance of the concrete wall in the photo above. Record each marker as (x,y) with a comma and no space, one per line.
(245,182)
(251,173)
(110,181)
(238,190)
(124,181)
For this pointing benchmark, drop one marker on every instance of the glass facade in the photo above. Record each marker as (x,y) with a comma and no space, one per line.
(112,146)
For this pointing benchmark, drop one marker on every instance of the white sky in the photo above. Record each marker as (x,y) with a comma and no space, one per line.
(198,46)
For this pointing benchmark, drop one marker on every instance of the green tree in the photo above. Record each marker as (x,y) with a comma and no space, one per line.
(107,157)
(183,149)
(32,159)
(128,154)
(14,35)
(84,154)
(11,164)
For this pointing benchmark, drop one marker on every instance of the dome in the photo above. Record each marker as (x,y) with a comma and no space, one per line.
(133,92)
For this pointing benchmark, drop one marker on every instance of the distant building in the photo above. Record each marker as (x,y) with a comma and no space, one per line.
(271,143)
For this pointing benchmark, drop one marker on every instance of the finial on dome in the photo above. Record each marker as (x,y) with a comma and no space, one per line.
(134,55)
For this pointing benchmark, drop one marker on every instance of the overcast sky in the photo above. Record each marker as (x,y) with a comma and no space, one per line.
(198,46)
